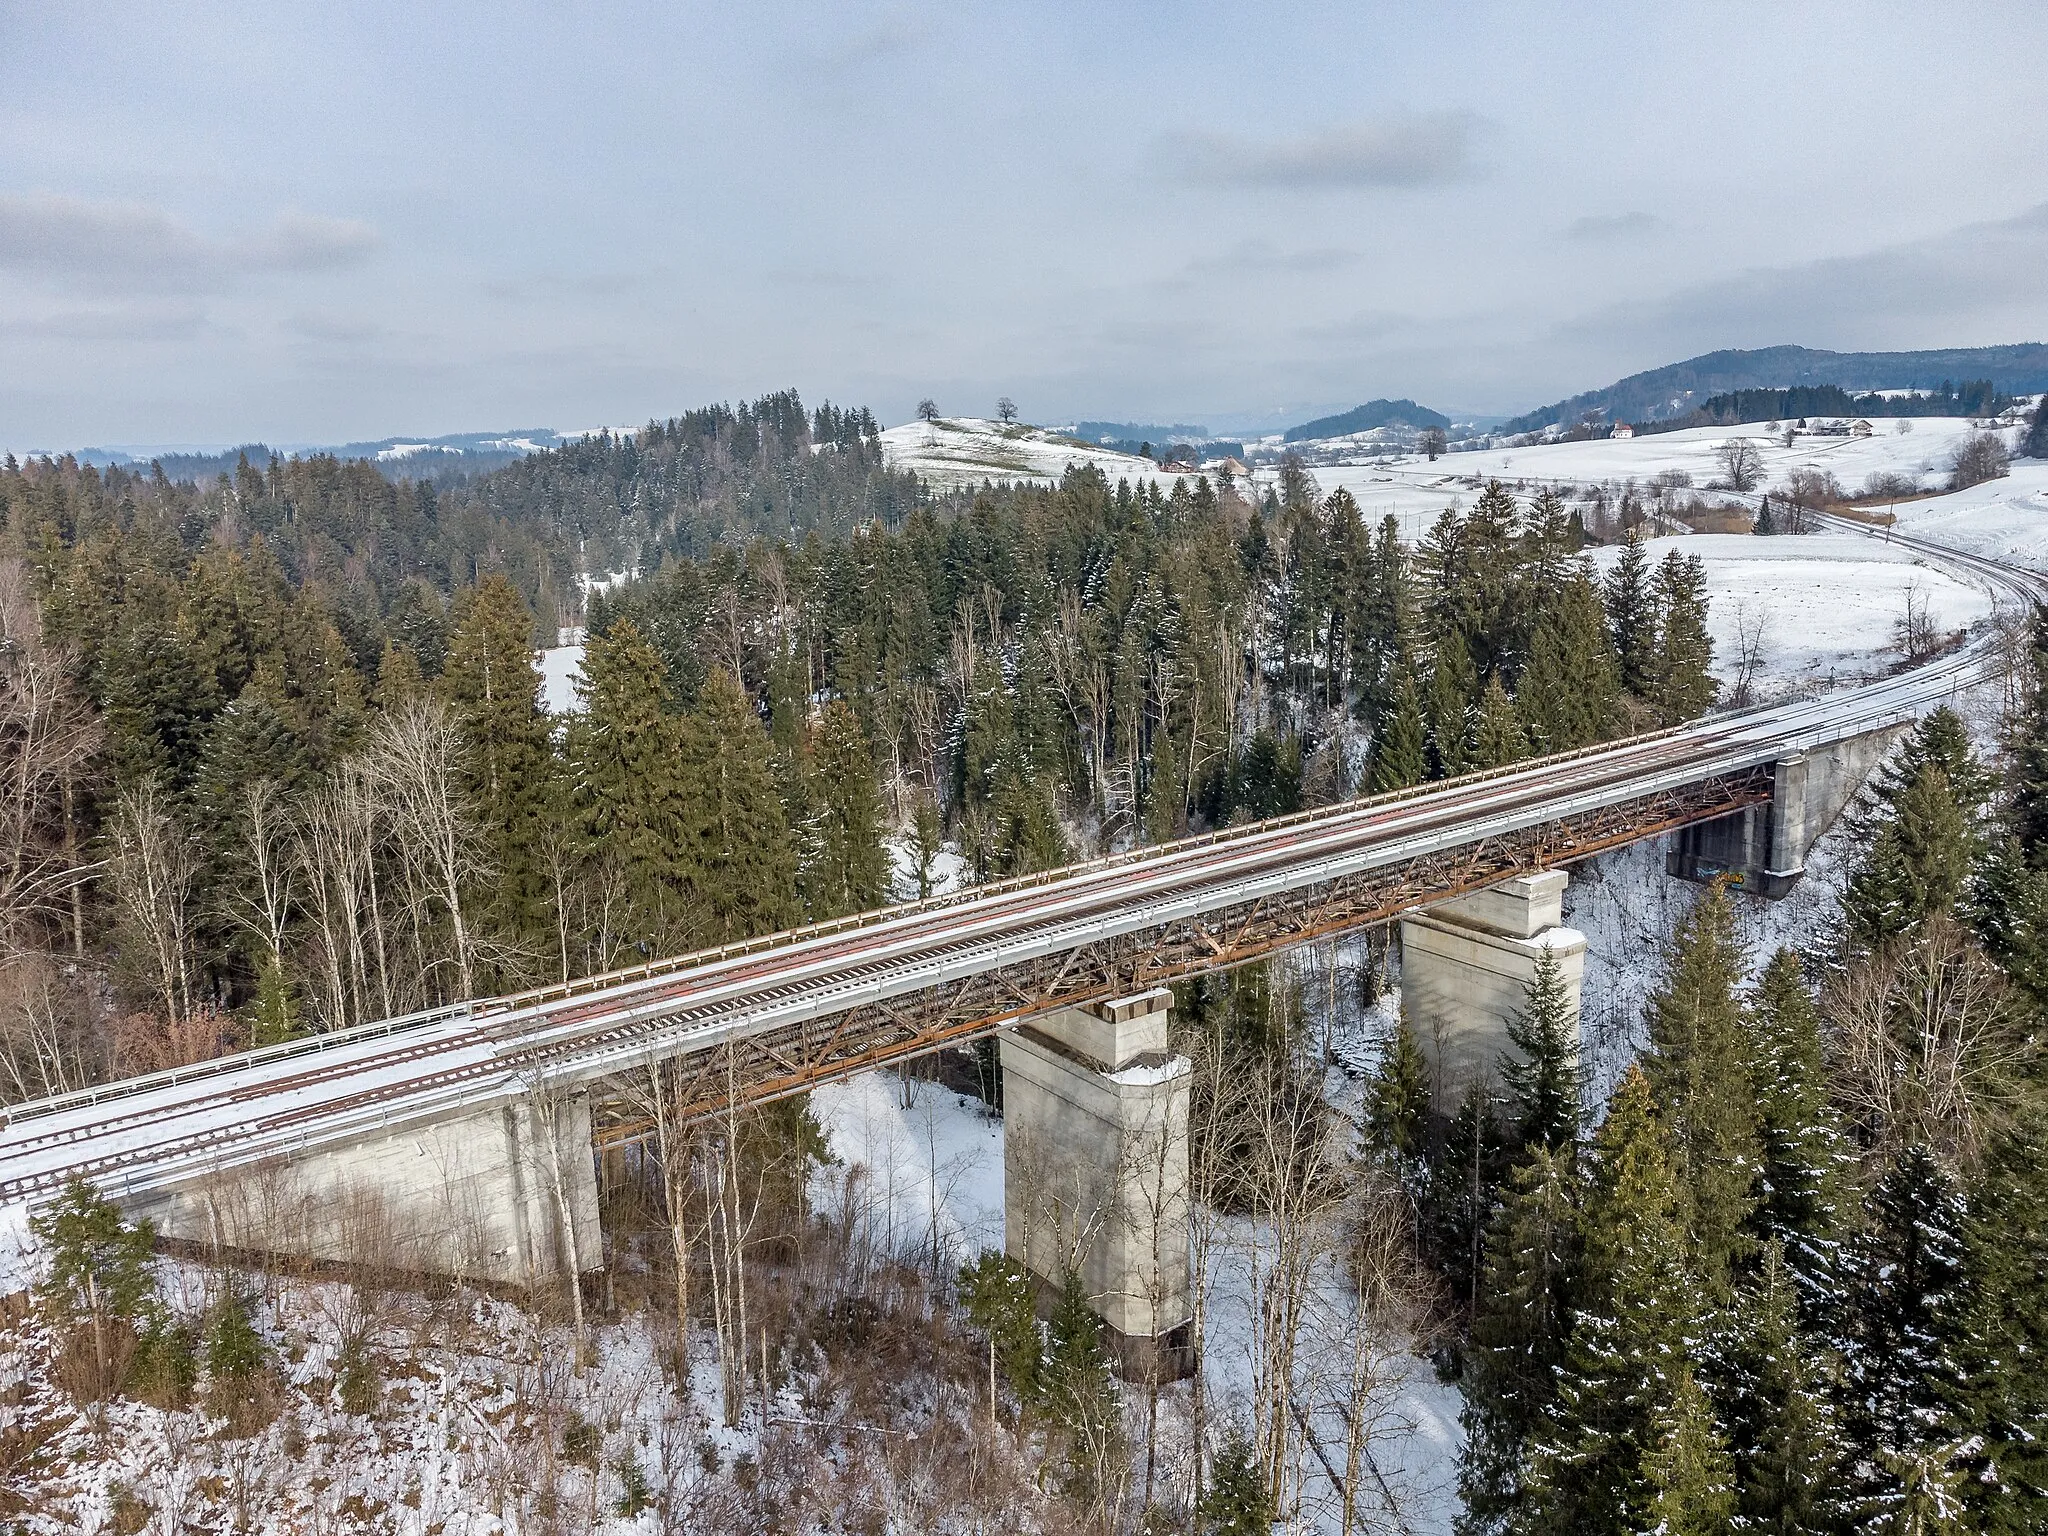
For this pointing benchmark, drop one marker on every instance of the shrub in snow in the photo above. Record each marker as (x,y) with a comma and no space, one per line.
(1979,457)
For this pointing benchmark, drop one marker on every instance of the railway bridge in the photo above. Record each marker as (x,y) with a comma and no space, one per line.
(471,1127)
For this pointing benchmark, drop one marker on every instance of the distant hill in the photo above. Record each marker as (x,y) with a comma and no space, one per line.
(453,456)
(1674,390)
(1364,418)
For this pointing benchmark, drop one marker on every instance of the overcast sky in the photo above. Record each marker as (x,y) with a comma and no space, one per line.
(317,223)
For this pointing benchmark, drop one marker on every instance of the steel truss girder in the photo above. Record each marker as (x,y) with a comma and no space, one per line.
(778,1063)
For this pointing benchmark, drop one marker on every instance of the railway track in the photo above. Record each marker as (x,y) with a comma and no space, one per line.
(159,1130)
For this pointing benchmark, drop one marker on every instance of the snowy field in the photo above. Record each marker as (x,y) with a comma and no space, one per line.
(2003,519)
(1414,490)
(966,450)
(1817,609)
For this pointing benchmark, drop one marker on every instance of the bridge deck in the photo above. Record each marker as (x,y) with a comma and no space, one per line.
(830,1000)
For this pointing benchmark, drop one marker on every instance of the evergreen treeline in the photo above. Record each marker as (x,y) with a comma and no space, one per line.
(1972,397)
(281,764)
(1795,1278)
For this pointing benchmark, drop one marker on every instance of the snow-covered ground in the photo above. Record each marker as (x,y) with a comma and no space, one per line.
(1414,490)
(967,450)
(561,672)
(2002,519)
(926,1163)
(1817,609)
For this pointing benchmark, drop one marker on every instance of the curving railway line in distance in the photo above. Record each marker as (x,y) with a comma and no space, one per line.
(782,1013)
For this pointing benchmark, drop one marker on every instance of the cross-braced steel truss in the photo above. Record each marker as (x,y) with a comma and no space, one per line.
(780,1062)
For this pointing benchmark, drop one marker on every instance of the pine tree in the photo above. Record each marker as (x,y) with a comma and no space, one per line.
(1632,617)
(2006,906)
(1772,1385)
(1607,1449)
(1397,751)
(739,864)
(1803,1153)
(1519,1336)
(1697,1069)
(1903,1334)
(508,758)
(1543,1074)
(848,870)
(1684,681)
(1498,736)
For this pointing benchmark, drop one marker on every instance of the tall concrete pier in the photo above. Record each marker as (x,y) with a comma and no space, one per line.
(1095,1169)
(1466,966)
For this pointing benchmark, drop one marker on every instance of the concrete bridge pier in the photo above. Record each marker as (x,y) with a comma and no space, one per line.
(1466,965)
(1095,1170)
(488,1193)
(1762,848)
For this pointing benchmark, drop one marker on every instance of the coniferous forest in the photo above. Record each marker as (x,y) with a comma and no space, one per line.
(1789,1275)
(277,764)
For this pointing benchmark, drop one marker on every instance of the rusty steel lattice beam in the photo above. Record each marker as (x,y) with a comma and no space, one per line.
(781,1062)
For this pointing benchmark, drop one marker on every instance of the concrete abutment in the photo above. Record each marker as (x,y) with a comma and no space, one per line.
(481,1194)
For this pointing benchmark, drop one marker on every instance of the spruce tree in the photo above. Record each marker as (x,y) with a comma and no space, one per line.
(1542,1073)
(2002,1400)
(1903,1336)
(1915,865)
(1772,1383)
(1941,740)
(1498,736)
(1697,1068)
(509,764)
(847,870)
(2006,906)
(1570,693)
(626,757)
(1632,617)
(1520,1335)
(1458,1195)
(2026,746)
(739,865)
(1683,680)
(1398,759)
(1397,1098)
(1688,1472)
(1804,1156)
(1607,1450)
(1451,686)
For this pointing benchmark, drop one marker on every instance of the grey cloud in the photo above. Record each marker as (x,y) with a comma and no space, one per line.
(121,246)
(127,322)
(339,329)
(1262,256)
(1403,149)
(307,242)
(1603,227)
(1881,297)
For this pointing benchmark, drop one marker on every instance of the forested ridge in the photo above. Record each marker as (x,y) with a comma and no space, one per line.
(277,763)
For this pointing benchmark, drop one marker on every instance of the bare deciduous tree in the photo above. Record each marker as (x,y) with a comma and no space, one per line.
(1741,465)
(154,866)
